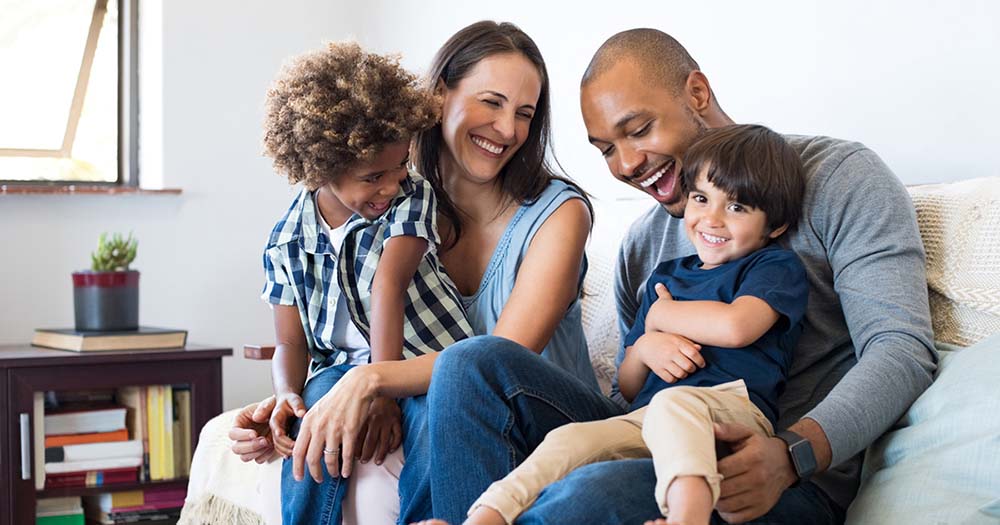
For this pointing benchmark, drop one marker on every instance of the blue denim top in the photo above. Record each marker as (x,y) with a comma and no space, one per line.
(568,347)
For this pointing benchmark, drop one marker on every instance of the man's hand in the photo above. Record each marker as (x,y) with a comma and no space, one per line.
(382,432)
(669,356)
(754,475)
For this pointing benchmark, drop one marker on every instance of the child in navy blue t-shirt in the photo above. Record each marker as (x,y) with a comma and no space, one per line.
(713,338)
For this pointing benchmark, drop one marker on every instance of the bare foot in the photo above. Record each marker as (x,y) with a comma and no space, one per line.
(483,515)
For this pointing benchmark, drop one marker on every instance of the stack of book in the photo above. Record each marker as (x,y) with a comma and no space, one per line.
(152,506)
(88,446)
(140,433)
(59,511)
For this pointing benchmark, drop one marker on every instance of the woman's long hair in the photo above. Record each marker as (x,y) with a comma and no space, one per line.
(528,172)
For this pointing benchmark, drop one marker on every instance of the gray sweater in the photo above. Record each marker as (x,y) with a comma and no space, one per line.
(866,350)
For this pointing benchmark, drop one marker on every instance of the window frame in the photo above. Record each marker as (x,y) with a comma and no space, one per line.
(127,176)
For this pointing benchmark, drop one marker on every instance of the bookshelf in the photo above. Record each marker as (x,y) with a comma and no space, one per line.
(25,370)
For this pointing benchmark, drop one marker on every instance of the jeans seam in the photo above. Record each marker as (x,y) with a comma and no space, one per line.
(518,390)
(331,499)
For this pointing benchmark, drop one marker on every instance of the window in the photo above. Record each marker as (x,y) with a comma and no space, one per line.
(68,101)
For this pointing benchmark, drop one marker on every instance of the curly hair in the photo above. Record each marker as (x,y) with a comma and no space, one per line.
(333,108)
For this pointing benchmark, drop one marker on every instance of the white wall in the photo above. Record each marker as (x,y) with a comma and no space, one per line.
(914,80)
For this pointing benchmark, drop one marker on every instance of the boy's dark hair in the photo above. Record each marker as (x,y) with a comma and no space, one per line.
(332,108)
(754,166)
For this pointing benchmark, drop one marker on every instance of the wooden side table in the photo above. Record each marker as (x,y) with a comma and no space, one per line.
(25,370)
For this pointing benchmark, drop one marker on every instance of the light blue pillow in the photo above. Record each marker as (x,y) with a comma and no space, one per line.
(941,462)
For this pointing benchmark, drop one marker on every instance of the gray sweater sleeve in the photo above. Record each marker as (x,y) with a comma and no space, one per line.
(867,223)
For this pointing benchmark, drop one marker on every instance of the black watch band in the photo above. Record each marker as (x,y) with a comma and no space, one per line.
(801,452)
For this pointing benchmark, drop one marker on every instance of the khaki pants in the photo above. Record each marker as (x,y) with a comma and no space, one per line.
(675,429)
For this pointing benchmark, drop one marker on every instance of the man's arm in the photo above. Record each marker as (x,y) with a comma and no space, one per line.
(867,222)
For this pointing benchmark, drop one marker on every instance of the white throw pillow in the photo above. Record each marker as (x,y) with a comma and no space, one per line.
(960,227)
(941,463)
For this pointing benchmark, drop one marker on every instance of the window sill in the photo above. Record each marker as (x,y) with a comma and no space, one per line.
(80,189)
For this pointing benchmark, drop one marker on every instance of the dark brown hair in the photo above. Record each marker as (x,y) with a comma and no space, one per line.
(335,107)
(754,166)
(528,172)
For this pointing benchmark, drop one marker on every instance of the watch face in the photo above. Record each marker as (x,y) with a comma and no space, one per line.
(803,458)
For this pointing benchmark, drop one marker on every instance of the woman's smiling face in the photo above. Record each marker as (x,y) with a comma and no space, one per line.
(485,119)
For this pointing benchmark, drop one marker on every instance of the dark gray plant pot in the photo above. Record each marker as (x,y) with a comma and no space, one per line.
(106,301)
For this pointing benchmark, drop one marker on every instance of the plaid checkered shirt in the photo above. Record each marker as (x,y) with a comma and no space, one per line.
(303,269)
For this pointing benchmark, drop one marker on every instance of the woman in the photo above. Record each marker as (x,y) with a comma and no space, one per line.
(513,239)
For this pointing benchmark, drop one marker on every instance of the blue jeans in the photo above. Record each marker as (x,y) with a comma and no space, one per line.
(322,503)
(491,402)
(624,492)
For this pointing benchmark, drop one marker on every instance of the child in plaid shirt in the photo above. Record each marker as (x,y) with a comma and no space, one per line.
(352,269)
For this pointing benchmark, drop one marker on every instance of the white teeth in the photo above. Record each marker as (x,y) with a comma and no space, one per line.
(712,238)
(488,146)
(656,176)
(649,182)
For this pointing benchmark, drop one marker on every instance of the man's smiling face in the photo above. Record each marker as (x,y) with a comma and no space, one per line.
(642,129)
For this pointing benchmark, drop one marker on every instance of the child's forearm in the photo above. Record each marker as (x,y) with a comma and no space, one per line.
(397,266)
(288,368)
(632,374)
(713,323)
(291,355)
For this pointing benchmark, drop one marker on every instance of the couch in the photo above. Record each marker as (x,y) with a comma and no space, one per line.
(940,463)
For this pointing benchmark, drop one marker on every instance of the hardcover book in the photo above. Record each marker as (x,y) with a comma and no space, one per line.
(145,338)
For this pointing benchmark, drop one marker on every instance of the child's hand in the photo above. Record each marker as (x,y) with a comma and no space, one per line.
(251,433)
(286,406)
(669,356)
(663,301)
(382,432)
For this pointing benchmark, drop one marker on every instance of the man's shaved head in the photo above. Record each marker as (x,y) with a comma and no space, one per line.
(662,59)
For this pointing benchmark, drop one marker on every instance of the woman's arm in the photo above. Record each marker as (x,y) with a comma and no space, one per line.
(547,281)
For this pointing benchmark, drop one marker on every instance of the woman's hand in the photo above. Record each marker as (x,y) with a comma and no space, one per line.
(251,433)
(382,432)
(330,429)
(669,356)
(286,406)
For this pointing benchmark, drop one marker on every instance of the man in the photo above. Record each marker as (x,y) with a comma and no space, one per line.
(865,354)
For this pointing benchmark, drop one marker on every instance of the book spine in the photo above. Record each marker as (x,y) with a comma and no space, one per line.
(168,432)
(144,425)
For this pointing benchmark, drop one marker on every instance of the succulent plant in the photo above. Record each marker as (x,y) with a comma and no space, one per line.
(113,255)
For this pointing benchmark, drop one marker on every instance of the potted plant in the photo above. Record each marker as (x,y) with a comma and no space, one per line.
(106,297)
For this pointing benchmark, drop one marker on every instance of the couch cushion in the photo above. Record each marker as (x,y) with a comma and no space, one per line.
(960,226)
(941,463)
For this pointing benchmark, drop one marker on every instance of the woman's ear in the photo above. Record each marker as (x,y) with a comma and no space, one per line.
(439,88)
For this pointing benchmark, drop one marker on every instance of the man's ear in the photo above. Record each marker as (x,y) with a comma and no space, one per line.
(778,231)
(699,92)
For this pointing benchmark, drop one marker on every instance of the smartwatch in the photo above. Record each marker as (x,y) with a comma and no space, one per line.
(801,452)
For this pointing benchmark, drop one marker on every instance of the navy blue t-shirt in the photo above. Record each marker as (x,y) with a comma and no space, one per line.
(772,274)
